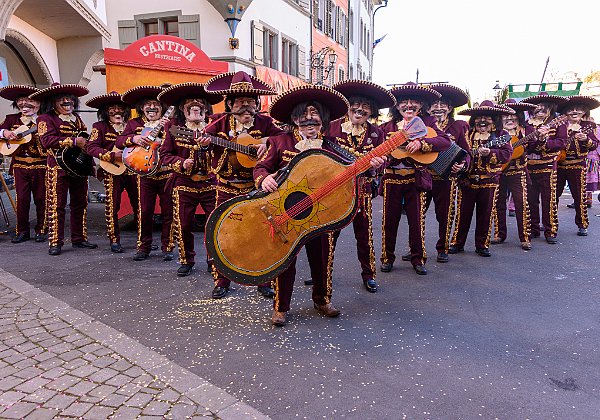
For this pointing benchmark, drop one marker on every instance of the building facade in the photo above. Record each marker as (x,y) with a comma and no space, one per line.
(361,37)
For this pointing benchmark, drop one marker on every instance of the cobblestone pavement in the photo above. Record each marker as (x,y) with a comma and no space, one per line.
(57,362)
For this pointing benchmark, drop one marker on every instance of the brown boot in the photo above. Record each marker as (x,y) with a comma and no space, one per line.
(328,310)
(278,318)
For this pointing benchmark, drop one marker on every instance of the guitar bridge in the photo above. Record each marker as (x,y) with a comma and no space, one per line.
(274,227)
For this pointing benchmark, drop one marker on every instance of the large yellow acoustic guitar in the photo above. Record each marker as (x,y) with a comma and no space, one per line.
(254,237)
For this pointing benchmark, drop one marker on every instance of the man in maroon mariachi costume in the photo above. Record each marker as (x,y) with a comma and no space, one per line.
(28,163)
(541,164)
(113,114)
(192,183)
(443,190)
(581,140)
(242,102)
(59,127)
(150,187)
(513,179)
(357,136)
(405,181)
(307,109)
(483,178)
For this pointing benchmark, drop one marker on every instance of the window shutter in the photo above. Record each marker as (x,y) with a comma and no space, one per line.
(257,43)
(301,62)
(189,28)
(128,33)
(328,17)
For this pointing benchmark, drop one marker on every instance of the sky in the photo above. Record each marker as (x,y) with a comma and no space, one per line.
(471,44)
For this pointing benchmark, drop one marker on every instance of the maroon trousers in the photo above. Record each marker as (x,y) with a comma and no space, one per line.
(148,190)
(186,198)
(363,233)
(28,182)
(398,192)
(442,193)
(316,249)
(59,184)
(575,175)
(514,182)
(542,183)
(114,185)
(477,198)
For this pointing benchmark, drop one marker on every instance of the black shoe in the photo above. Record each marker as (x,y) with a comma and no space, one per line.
(571,206)
(386,267)
(406,257)
(21,237)
(582,232)
(40,237)
(168,256)
(512,213)
(184,270)
(420,269)
(551,240)
(455,250)
(154,247)
(140,256)
(442,257)
(483,252)
(266,291)
(55,250)
(219,292)
(116,248)
(370,285)
(84,244)
(309,282)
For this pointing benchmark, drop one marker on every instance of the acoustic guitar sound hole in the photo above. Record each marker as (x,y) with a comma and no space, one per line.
(294,198)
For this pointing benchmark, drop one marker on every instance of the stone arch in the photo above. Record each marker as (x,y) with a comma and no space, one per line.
(31,56)
(7,9)
(88,71)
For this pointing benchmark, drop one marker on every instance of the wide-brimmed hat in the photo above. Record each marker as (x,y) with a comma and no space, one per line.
(58,89)
(175,93)
(139,93)
(380,95)
(238,84)
(108,99)
(455,95)
(518,106)
(334,101)
(487,108)
(14,92)
(545,97)
(587,102)
(413,90)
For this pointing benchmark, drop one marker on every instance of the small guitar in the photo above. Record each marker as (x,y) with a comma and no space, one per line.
(520,144)
(243,147)
(114,168)
(74,160)
(562,155)
(24,136)
(494,142)
(254,237)
(424,158)
(144,160)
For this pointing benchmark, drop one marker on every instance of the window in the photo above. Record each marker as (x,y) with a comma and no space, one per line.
(289,57)
(351,23)
(168,26)
(328,17)
(270,47)
(340,74)
(164,23)
(351,73)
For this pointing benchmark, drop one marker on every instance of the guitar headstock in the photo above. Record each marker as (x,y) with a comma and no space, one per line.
(416,129)
(179,131)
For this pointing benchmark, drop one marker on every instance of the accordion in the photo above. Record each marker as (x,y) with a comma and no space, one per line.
(442,166)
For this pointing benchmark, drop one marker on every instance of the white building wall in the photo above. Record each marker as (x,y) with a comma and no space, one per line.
(355,54)
(99,8)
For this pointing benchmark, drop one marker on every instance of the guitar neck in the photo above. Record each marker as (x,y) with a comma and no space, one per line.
(156,130)
(228,144)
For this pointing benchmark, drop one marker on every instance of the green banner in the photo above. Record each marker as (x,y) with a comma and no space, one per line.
(520,92)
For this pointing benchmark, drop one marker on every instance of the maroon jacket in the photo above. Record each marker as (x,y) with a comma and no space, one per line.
(29,156)
(175,150)
(519,164)
(225,128)
(56,134)
(577,150)
(489,166)
(101,143)
(543,151)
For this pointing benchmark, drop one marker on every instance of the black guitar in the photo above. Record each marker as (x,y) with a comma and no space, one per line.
(74,160)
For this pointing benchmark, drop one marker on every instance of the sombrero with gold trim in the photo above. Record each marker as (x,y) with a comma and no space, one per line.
(588,102)
(380,95)
(58,89)
(453,94)
(487,108)
(545,97)
(108,99)
(518,106)
(175,93)
(413,90)
(139,93)
(334,101)
(238,84)
(14,92)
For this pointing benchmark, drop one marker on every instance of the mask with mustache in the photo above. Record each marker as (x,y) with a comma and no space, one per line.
(309,122)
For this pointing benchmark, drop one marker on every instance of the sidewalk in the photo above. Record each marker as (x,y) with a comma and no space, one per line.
(57,362)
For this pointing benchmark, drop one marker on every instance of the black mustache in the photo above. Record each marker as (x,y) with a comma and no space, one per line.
(409,108)
(249,111)
(359,112)
(152,110)
(68,103)
(307,123)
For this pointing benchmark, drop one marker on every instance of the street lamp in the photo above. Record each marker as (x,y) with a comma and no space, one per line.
(322,62)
